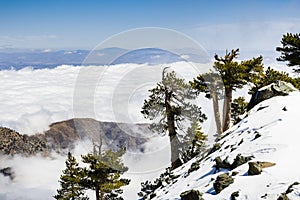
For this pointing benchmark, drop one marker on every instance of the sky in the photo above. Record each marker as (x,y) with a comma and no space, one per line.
(82,24)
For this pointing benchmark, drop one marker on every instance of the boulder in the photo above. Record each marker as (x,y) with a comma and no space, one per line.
(255,168)
(191,195)
(222,181)
(7,171)
(280,88)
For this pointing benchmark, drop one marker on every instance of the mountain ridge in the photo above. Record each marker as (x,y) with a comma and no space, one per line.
(259,135)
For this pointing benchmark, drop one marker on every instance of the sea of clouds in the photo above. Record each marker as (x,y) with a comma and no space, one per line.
(30,100)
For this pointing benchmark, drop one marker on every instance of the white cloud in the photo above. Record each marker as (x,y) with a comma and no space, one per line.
(247,35)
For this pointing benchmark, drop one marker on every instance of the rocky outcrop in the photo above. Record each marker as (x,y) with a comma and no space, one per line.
(255,168)
(113,135)
(12,142)
(63,135)
(191,195)
(222,181)
(279,88)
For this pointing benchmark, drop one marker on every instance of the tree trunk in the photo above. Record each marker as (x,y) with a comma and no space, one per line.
(227,109)
(97,189)
(101,195)
(174,142)
(216,111)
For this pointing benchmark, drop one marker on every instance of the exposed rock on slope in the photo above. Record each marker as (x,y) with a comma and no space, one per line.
(11,142)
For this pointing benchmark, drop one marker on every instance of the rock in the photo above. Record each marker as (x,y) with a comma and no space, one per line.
(234,195)
(191,195)
(222,163)
(290,189)
(255,168)
(279,88)
(195,166)
(63,134)
(240,160)
(222,181)
(12,142)
(7,171)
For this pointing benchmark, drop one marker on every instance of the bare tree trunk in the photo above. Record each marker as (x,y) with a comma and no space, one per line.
(174,142)
(101,195)
(227,109)
(216,111)
(97,189)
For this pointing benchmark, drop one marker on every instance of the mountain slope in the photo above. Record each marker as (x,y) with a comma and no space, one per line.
(269,133)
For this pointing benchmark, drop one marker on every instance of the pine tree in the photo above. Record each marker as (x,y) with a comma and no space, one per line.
(238,108)
(169,104)
(103,173)
(272,76)
(71,188)
(290,50)
(235,75)
(212,85)
(194,141)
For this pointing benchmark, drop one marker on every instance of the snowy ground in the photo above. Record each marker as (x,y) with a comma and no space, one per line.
(279,143)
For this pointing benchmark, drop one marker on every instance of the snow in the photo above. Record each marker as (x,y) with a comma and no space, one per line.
(279,143)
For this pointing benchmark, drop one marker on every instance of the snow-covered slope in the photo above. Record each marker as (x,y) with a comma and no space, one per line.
(277,121)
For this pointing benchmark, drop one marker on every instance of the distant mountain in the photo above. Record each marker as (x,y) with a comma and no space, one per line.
(148,55)
(18,58)
(63,135)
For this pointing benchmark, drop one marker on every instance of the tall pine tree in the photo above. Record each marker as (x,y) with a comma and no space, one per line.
(290,50)
(212,85)
(103,173)
(70,182)
(169,104)
(235,75)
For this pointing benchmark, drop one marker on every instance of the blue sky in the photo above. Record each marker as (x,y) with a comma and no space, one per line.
(60,24)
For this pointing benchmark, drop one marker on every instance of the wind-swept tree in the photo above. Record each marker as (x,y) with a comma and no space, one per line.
(235,75)
(103,173)
(70,180)
(168,106)
(211,84)
(290,50)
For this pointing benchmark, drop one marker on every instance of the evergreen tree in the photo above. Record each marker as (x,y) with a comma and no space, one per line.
(104,172)
(235,75)
(238,107)
(71,188)
(169,104)
(212,85)
(194,141)
(271,76)
(290,50)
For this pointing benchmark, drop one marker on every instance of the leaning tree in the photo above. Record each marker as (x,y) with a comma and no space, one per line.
(169,106)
